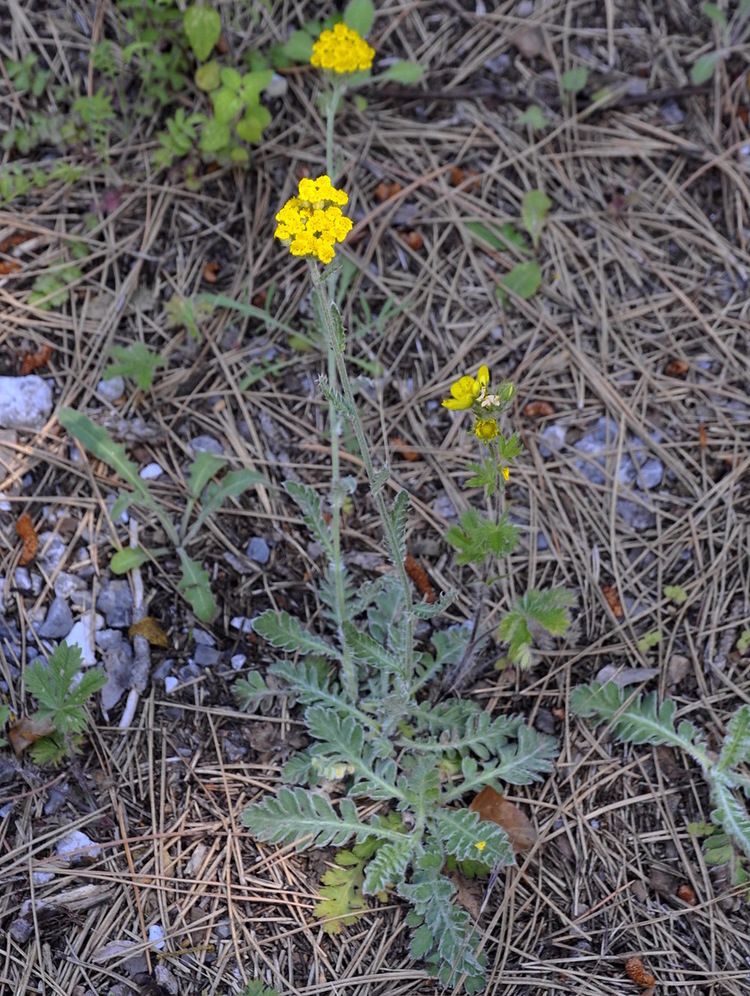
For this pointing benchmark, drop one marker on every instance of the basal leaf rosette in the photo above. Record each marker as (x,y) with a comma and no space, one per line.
(341,51)
(311,223)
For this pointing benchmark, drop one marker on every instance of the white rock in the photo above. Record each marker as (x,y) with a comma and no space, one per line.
(242,623)
(78,845)
(111,389)
(82,636)
(25,402)
(150,472)
(170,683)
(156,935)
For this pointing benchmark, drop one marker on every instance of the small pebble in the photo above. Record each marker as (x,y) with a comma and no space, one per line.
(111,389)
(206,444)
(78,845)
(170,683)
(277,87)
(203,638)
(115,600)
(25,402)
(66,584)
(54,552)
(150,472)
(206,656)
(551,439)
(242,623)
(258,550)
(21,930)
(81,635)
(59,621)
(156,936)
(238,662)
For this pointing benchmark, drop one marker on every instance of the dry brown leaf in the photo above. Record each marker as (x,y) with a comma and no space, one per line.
(151,630)
(403,449)
(686,894)
(27,532)
(413,240)
(15,240)
(32,361)
(676,368)
(613,601)
(494,807)
(26,731)
(211,272)
(538,409)
(8,266)
(419,576)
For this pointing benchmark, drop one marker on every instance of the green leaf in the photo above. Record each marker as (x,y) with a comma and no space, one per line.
(284,631)
(574,80)
(403,71)
(478,537)
(214,137)
(676,593)
(703,68)
(249,692)
(312,513)
(231,485)
(204,466)
(137,362)
(399,514)
(640,721)
(359,15)
(534,212)
(230,78)
(461,831)
(341,901)
(649,640)
(298,47)
(250,127)
(98,441)
(207,77)
(258,988)
(736,747)
(534,117)
(227,105)
(52,685)
(732,817)
(253,84)
(524,280)
(715,14)
(525,762)
(500,237)
(548,609)
(389,865)
(128,559)
(306,819)
(195,586)
(202,26)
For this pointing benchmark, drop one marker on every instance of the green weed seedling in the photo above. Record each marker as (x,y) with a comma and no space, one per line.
(258,988)
(641,720)
(205,498)
(733,33)
(137,362)
(62,690)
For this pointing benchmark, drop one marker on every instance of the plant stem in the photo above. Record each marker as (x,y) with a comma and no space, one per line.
(335,350)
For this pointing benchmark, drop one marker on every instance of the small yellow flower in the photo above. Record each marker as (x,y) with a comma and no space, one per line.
(467,390)
(481,845)
(486,429)
(506,474)
(312,223)
(341,50)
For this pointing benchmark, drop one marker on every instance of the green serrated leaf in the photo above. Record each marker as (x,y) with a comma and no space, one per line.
(359,15)
(98,441)
(312,512)
(466,837)
(137,362)
(249,692)
(736,747)
(534,210)
(524,280)
(676,593)
(404,72)
(478,537)
(306,819)
(202,27)
(205,465)
(388,867)
(52,684)
(284,631)
(547,609)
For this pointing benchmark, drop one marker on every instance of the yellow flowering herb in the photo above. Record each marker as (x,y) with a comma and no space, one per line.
(467,390)
(313,222)
(341,51)
(486,429)
(481,845)
(506,474)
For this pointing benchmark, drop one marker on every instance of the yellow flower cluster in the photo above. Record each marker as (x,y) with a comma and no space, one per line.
(341,50)
(312,223)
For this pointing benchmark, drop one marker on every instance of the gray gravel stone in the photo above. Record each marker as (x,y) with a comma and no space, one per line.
(258,550)
(59,621)
(25,402)
(206,444)
(111,389)
(206,656)
(116,602)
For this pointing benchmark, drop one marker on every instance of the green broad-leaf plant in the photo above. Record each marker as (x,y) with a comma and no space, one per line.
(381,741)
(204,499)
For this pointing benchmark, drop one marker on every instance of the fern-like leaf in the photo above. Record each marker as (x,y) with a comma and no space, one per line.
(546,609)
(736,747)
(341,900)
(389,865)
(478,537)
(312,512)
(443,934)
(285,632)
(526,761)
(399,514)
(369,651)
(463,835)
(732,817)
(59,699)
(305,819)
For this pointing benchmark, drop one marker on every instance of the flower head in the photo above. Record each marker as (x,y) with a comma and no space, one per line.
(486,429)
(467,390)
(480,845)
(341,50)
(506,474)
(312,223)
